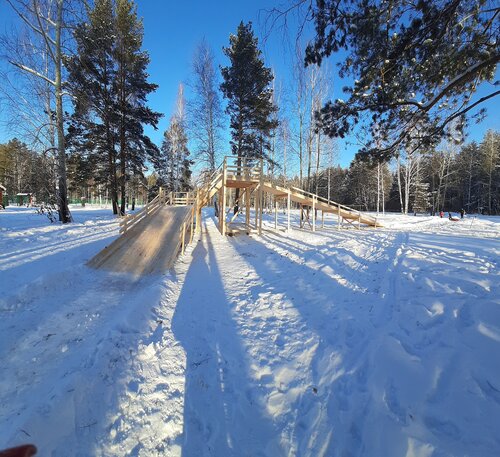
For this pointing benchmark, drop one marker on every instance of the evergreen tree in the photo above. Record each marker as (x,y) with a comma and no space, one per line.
(131,89)
(246,86)
(109,80)
(467,167)
(92,131)
(166,165)
(490,171)
(415,65)
(174,166)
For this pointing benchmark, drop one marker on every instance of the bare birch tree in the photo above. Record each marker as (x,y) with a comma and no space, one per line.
(45,20)
(204,109)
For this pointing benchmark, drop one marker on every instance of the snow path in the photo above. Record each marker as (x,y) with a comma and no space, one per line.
(351,343)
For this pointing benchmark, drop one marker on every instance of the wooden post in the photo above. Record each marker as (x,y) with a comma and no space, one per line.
(256,205)
(222,219)
(198,212)
(322,219)
(191,233)
(183,237)
(261,194)
(275,213)
(288,204)
(261,204)
(247,211)
(359,221)
(338,207)
(314,213)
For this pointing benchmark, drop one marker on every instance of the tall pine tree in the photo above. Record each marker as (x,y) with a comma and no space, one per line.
(415,66)
(132,89)
(109,79)
(246,85)
(92,70)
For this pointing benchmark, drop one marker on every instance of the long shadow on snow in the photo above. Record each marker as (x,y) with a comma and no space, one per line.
(338,315)
(314,253)
(221,415)
(317,301)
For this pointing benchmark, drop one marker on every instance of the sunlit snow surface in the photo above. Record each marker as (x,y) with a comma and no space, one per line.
(373,342)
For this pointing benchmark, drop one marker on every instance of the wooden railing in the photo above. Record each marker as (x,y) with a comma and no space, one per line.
(130,220)
(187,229)
(211,183)
(242,168)
(357,215)
(181,198)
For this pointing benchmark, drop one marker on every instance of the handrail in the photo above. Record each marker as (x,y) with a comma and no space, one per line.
(332,203)
(252,168)
(151,207)
(188,221)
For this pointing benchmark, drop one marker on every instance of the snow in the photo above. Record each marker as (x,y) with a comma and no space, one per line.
(376,342)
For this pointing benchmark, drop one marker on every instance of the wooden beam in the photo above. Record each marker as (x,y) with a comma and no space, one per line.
(247,211)
(314,213)
(275,213)
(288,204)
(223,200)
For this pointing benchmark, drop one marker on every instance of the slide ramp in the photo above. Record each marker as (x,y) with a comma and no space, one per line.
(306,198)
(151,246)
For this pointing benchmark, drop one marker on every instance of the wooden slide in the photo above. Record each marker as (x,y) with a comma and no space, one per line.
(152,238)
(321,204)
(150,246)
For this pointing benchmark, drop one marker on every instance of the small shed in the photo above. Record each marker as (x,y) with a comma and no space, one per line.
(24,198)
(2,202)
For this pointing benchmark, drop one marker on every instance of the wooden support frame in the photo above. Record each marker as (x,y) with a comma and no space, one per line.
(314,214)
(304,217)
(248,174)
(261,194)
(247,210)
(275,213)
(222,203)
(288,208)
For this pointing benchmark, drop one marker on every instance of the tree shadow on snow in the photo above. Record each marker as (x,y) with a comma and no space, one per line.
(222,412)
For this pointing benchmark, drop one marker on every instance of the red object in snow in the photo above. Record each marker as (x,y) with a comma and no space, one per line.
(27,450)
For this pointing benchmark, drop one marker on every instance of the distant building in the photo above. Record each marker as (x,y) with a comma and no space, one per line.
(24,198)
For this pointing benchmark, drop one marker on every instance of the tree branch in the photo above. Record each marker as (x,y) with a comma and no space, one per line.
(33,72)
(46,38)
(28,22)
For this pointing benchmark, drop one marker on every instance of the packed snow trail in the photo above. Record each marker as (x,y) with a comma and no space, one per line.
(351,343)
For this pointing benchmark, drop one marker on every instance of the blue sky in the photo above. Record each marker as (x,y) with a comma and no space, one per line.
(172,29)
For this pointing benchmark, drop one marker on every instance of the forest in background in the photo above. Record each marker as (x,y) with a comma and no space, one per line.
(77,93)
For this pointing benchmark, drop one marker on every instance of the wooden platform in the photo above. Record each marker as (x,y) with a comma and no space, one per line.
(149,247)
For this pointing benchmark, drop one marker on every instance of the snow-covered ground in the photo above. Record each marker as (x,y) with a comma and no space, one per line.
(378,342)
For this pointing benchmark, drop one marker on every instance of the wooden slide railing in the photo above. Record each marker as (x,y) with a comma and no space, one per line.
(187,228)
(181,198)
(344,211)
(131,220)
